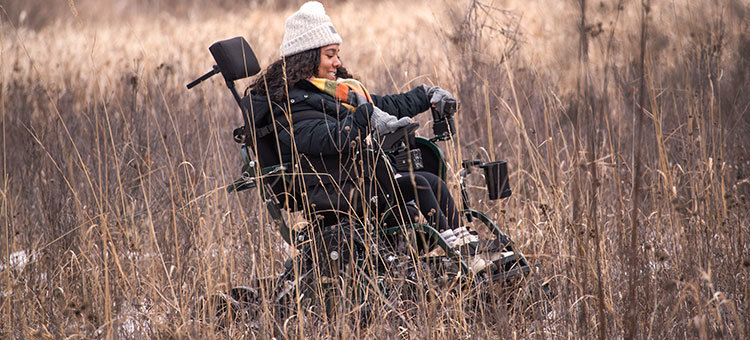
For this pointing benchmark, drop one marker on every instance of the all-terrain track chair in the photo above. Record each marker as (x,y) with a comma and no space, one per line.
(376,245)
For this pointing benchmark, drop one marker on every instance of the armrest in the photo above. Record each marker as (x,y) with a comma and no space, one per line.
(392,141)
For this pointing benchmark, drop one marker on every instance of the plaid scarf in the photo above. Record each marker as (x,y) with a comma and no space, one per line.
(349,91)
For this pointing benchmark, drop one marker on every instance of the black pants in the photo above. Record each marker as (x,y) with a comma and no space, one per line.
(432,196)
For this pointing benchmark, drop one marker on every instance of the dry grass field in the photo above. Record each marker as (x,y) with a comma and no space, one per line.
(626,125)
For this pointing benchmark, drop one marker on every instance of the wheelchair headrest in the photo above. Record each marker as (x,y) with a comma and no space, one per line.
(235,58)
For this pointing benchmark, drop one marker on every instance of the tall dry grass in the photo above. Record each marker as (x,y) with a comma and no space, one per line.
(625,123)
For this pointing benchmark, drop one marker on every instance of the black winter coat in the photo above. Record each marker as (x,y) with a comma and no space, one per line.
(329,145)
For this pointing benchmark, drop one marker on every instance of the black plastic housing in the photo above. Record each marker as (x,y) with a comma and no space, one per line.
(496,176)
(235,58)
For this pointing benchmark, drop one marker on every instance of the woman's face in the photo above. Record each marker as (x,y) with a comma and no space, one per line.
(329,61)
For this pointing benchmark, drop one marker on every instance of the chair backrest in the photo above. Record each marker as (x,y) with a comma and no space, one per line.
(235,58)
(264,147)
(266,152)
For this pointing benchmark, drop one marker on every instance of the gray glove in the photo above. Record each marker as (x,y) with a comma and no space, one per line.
(385,123)
(437,96)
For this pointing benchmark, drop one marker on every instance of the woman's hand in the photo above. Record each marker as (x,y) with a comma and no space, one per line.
(437,96)
(385,123)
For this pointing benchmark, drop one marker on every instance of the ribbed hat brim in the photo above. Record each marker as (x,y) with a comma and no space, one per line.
(317,37)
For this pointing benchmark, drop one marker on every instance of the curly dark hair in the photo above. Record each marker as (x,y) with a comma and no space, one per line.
(299,66)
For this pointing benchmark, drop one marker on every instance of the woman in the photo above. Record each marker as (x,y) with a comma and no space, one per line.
(309,81)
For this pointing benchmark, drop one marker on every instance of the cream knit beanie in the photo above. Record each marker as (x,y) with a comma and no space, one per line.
(308,28)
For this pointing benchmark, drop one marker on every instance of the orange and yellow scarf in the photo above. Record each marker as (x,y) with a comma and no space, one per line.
(350,92)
